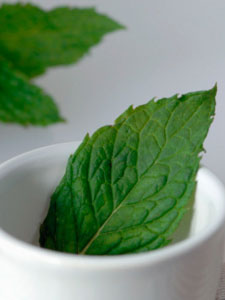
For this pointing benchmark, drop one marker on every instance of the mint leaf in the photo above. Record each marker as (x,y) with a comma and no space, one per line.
(34,39)
(128,186)
(22,102)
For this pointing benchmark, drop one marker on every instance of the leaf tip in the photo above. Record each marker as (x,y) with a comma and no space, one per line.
(87,137)
(214,89)
(121,26)
(62,120)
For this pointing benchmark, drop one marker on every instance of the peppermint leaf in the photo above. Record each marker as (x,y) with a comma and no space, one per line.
(22,102)
(127,187)
(34,39)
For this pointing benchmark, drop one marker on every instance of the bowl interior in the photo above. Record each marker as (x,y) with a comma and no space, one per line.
(27,182)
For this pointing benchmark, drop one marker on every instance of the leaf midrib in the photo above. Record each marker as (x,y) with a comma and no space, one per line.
(119,206)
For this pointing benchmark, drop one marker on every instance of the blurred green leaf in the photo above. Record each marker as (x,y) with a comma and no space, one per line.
(22,102)
(33,39)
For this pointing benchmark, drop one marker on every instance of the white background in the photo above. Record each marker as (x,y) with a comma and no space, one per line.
(168,47)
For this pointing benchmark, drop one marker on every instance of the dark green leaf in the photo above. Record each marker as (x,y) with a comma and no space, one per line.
(128,186)
(34,39)
(22,102)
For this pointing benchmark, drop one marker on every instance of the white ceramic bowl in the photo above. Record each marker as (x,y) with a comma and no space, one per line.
(187,270)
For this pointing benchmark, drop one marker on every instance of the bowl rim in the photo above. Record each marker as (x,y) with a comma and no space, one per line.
(11,246)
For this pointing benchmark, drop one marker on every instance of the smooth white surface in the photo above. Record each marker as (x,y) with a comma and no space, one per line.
(187,270)
(168,47)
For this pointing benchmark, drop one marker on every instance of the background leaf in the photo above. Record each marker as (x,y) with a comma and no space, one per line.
(33,39)
(129,185)
(22,102)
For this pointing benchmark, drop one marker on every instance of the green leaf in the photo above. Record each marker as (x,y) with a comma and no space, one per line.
(128,186)
(34,39)
(22,102)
